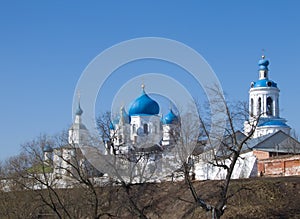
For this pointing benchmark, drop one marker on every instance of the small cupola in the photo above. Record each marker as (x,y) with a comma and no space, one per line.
(170,118)
(263,68)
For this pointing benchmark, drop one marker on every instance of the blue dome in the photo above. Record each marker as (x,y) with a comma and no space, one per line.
(170,118)
(273,123)
(264,83)
(47,148)
(263,64)
(79,111)
(144,105)
(113,123)
(111,126)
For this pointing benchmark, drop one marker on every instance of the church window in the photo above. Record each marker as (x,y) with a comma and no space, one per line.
(135,139)
(269,106)
(133,128)
(146,129)
(259,106)
(251,107)
(269,83)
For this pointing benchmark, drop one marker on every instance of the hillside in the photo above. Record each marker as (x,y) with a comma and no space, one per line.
(257,198)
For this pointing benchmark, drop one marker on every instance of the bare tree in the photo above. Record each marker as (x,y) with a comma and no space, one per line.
(59,188)
(128,169)
(104,126)
(221,151)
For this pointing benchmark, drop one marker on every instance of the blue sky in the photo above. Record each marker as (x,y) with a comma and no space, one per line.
(46,45)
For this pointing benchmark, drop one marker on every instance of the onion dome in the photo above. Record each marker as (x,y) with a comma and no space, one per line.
(111,126)
(79,111)
(170,118)
(47,148)
(263,78)
(77,123)
(144,105)
(113,123)
(263,63)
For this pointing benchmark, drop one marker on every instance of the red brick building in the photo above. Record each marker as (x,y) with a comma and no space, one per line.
(288,165)
(277,154)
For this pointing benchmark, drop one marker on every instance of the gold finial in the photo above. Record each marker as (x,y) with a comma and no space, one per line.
(143,83)
(263,54)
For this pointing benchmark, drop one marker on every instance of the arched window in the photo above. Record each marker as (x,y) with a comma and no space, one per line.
(259,106)
(133,128)
(146,129)
(269,106)
(251,107)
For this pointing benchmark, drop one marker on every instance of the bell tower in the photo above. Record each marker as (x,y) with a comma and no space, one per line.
(264,104)
(78,133)
(264,94)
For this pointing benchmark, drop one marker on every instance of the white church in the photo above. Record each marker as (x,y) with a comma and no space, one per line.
(144,125)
